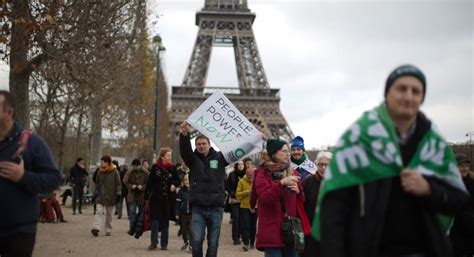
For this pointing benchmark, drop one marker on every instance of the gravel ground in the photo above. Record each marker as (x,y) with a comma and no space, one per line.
(74,238)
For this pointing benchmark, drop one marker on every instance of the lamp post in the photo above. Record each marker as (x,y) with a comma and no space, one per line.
(469,134)
(159,47)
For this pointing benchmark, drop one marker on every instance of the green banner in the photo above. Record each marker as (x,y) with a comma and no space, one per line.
(369,151)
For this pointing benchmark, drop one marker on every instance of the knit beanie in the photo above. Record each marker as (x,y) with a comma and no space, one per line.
(462,158)
(273,145)
(405,70)
(297,142)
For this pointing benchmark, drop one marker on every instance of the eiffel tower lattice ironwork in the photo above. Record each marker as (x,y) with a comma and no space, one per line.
(229,23)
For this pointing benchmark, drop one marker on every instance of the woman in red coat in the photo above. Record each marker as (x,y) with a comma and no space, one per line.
(275,182)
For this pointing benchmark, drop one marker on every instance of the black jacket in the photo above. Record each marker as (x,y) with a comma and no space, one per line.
(353,218)
(19,201)
(206,176)
(462,232)
(158,191)
(78,176)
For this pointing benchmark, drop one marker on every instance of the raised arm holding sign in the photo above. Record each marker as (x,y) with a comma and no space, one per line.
(219,120)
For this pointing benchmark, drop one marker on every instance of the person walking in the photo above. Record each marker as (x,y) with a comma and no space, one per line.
(78,177)
(27,169)
(234,202)
(162,182)
(184,212)
(278,190)
(110,186)
(247,214)
(391,175)
(136,181)
(462,232)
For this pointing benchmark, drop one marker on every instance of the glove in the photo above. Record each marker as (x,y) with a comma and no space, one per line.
(117,199)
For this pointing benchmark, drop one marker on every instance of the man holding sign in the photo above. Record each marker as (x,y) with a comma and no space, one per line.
(216,118)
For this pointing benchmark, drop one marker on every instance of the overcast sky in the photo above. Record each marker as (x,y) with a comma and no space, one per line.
(330,59)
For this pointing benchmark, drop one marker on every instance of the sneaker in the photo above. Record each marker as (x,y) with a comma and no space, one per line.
(164,248)
(152,247)
(130,232)
(108,234)
(190,248)
(245,248)
(95,232)
(184,247)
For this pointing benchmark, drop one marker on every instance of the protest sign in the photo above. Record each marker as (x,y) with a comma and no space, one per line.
(219,120)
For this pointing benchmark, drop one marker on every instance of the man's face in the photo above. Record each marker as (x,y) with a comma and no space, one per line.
(6,115)
(202,146)
(404,98)
(297,153)
(464,168)
(322,165)
(145,164)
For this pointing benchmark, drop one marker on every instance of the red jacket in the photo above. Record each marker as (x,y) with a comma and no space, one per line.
(270,213)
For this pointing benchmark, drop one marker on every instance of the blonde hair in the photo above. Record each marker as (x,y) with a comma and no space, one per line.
(164,150)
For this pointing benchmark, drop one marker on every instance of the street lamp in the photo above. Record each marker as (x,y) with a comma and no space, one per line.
(159,47)
(469,134)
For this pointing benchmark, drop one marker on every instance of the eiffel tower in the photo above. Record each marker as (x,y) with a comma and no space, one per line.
(229,23)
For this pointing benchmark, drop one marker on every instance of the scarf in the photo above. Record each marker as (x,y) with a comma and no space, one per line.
(303,164)
(163,165)
(108,169)
(369,151)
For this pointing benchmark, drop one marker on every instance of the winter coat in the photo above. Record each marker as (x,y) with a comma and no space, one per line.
(462,232)
(158,190)
(206,176)
(137,176)
(19,201)
(244,188)
(78,176)
(182,201)
(270,212)
(110,186)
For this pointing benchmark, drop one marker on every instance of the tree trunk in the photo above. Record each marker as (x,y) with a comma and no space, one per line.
(19,81)
(96,128)
(78,135)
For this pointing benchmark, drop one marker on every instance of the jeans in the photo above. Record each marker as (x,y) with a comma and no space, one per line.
(249,224)
(280,252)
(18,245)
(206,217)
(236,222)
(119,206)
(133,210)
(164,232)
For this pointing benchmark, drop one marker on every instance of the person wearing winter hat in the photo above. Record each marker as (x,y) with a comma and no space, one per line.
(462,232)
(110,187)
(381,162)
(136,181)
(276,183)
(299,159)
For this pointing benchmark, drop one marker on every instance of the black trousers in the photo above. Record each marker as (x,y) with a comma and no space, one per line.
(18,245)
(77,196)
(186,229)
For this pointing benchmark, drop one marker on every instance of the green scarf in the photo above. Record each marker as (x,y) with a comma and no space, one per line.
(369,151)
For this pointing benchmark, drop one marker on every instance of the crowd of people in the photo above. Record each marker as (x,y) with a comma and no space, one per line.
(391,187)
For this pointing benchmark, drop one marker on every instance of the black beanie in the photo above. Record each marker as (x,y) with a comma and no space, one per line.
(136,162)
(405,70)
(273,145)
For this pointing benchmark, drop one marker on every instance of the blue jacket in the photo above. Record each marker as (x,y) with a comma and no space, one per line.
(19,201)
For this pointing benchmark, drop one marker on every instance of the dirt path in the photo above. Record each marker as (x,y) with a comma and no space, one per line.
(75,239)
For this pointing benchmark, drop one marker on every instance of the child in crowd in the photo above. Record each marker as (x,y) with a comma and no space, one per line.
(247,214)
(183,212)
